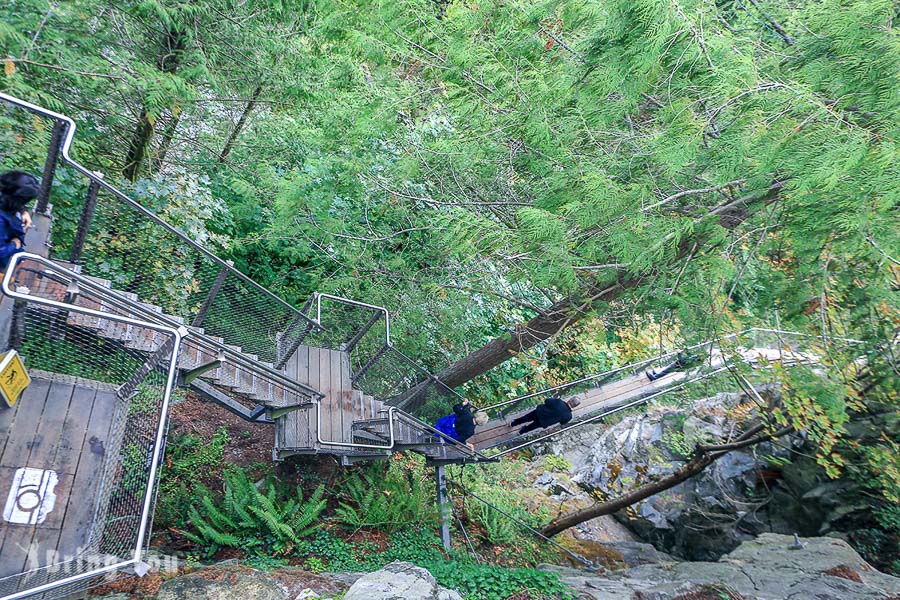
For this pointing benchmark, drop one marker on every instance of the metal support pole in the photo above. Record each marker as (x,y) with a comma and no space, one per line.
(302,325)
(17,326)
(84,223)
(56,139)
(211,296)
(351,344)
(443,505)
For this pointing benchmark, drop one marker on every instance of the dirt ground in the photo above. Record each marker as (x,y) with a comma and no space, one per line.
(248,443)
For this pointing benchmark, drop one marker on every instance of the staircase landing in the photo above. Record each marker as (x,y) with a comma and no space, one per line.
(63,437)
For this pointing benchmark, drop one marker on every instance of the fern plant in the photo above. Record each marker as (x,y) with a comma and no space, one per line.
(383,500)
(257,521)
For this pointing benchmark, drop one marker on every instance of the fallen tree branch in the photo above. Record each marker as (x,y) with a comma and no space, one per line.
(703,457)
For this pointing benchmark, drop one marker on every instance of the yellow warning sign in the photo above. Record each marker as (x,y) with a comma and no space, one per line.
(13,377)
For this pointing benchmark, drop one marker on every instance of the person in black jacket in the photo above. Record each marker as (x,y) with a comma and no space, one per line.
(551,412)
(461,424)
(17,189)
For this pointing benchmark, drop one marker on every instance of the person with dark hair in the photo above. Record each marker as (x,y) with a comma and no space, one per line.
(682,361)
(551,412)
(17,189)
(461,424)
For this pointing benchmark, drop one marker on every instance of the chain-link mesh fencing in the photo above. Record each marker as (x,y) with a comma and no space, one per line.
(76,469)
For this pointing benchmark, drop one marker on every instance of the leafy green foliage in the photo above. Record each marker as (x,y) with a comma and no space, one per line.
(258,521)
(489,582)
(387,500)
(187,461)
(497,484)
(324,551)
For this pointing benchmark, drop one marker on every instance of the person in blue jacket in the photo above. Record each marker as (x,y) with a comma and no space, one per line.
(17,189)
(461,424)
(551,412)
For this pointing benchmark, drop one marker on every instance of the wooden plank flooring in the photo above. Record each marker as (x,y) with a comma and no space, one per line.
(498,431)
(62,427)
(329,372)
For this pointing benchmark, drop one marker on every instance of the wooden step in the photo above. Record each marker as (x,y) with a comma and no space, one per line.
(231,372)
(144,339)
(248,379)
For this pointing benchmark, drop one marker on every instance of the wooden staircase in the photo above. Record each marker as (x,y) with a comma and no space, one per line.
(350,423)
(220,370)
(344,421)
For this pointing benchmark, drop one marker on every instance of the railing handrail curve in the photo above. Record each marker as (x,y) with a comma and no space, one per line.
(98,178)
(117,300)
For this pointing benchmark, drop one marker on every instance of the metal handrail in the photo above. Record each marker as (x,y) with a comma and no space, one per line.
(388,343)
(97,178)
(177,334)
(423,425)
(387,316)
(343,444)
(639,364)
(120,301)
(637,402)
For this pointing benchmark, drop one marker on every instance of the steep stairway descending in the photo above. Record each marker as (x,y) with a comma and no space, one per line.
(220,372)
(632,388)
(350,423)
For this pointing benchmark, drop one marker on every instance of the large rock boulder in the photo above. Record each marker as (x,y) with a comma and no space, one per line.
(704,517)
(233,586)
(399,581)
(234,581)
(771,567)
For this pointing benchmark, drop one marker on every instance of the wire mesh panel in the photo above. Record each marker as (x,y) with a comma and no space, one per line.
(152,242)
(83,440)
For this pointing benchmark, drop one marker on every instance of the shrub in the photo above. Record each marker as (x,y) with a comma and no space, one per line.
(490,582)
(261,523)
(386,501)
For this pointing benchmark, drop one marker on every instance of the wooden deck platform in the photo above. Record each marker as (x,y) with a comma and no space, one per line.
(329,372)
(57,446)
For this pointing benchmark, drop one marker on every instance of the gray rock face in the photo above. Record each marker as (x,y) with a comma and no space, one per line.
(702,518)
(251,584)
(399,581)
(767,568)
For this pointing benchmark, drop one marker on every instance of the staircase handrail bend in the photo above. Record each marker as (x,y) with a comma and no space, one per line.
(177,334)
(98,178)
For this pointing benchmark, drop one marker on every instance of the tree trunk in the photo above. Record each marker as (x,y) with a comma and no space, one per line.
(229,143)
(137,148)
(168,61)
(160,158)
(563,522)
(570,310)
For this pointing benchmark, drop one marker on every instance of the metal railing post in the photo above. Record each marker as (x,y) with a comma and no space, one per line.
(56,140)
(211,296)
(351,344)
(443,505)
(17,325)
(84,223)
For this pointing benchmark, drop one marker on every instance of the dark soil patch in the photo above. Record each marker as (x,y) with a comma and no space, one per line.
(136,587)
(379,539)
(844,572)
(248,443)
